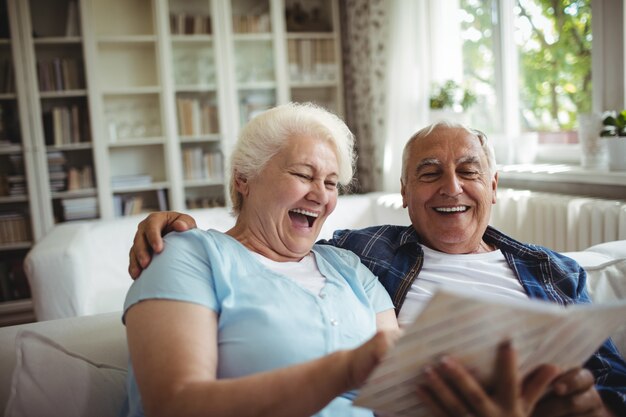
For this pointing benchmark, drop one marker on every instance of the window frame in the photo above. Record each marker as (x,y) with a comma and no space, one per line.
(608,73)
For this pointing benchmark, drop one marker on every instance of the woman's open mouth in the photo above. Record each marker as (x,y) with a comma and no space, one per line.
(302,217)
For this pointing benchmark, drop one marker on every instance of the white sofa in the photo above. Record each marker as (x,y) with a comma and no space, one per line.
(77,364)
(80,268)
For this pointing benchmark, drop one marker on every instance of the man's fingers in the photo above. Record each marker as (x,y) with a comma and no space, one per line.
(436,410)
(148,238)
(505,378)
(134,270)
(572,381)
(586,403)
(455,389)
(537,383)
(153,242)
(183,222)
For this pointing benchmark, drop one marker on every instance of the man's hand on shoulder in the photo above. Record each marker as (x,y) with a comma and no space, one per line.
(148,238)
(573,394)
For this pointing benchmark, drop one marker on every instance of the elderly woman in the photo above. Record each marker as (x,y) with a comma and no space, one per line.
(259,320)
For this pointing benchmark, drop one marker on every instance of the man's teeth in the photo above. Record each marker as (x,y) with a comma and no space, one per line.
(305,212)
(451,209)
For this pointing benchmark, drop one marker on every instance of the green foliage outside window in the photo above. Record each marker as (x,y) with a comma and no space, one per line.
(451,95)
(554,44)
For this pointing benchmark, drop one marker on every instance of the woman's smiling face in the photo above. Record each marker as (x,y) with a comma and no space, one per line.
(285,206)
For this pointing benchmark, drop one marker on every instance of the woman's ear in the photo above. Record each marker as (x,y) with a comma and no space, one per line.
(241,184)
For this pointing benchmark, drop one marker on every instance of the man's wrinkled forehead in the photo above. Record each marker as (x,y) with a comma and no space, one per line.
(436,162)
(445,138)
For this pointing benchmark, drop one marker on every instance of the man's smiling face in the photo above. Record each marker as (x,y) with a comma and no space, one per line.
(449,190)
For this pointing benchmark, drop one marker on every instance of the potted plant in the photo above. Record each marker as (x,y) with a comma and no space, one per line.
(450,100)
(614,130)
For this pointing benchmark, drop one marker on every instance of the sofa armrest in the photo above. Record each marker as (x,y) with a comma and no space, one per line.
(605,265)
(51,259)
(80,268)
(100,338)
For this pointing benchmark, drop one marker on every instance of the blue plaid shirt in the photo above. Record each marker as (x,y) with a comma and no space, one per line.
(395,255)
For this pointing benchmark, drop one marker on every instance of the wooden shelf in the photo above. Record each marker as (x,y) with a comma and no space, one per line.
(16,312)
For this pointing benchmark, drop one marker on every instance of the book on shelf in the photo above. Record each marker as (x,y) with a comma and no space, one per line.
(80,178)
(80,208)
(64,125)
(134,180)
(12,185)
(251,23)
(204,202)
(190,24)
(199,164)
(72,25)
(196,117)
(470,327)
(133,205)
(311,60)
(127,205)
(162,200)
(59,74)
(13,228)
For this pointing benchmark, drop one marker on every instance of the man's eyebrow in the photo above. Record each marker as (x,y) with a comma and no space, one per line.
(470,159)
(427,162)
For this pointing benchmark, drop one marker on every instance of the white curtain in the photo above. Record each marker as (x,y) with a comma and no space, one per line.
(387,65)
(407,83)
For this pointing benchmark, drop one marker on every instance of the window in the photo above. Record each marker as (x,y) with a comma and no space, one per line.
(544,48)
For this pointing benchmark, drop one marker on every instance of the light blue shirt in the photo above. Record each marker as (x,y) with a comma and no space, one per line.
(266,320)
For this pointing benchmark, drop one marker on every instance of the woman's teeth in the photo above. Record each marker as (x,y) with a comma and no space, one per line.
(305,212)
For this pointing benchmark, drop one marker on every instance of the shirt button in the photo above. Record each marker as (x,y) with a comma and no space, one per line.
(334,322)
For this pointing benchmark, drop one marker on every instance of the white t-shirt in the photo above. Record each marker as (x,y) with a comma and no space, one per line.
(487,273)
(305,272)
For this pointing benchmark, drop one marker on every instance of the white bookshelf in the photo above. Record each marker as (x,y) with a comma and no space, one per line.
(162,87)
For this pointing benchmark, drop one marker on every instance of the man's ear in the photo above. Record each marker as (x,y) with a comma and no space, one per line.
(241,184)
(403,192)
(494,188)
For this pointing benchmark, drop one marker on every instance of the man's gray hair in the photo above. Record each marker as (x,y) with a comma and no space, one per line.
(428,130)
(265,135)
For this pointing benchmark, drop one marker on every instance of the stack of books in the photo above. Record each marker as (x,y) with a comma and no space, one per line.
(56,171)
(129,181)
(13,228)
(80,208)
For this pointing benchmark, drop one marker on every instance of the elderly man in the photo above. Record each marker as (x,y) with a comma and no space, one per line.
(449,182)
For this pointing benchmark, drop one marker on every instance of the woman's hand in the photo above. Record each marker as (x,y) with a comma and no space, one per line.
(148,238)
(451,390)
(364,359)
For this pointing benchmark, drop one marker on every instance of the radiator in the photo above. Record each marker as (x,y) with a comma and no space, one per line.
(561,222)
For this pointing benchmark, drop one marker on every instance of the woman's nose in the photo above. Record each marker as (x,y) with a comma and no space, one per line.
(318,192)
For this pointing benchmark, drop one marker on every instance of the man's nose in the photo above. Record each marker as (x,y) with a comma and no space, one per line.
(451,185)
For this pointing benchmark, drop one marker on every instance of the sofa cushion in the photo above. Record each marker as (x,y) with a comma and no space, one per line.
(48,380)
(605,265)
(606,282)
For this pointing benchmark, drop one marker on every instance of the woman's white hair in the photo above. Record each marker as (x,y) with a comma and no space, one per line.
(265,135)
(428,130)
